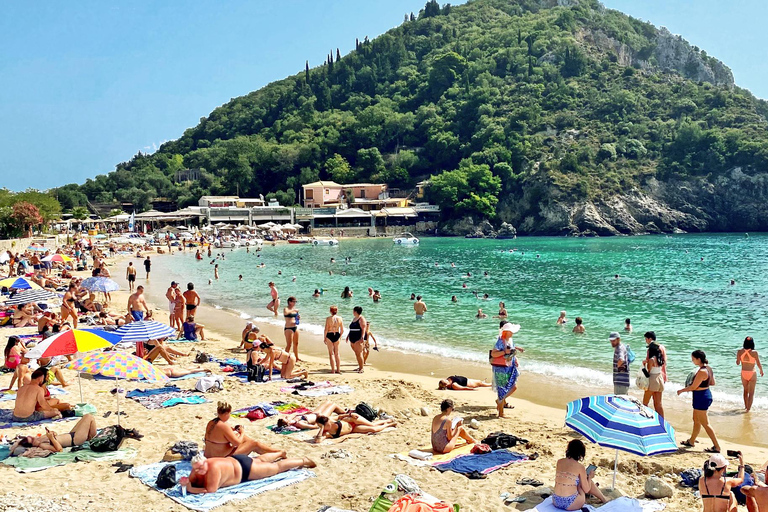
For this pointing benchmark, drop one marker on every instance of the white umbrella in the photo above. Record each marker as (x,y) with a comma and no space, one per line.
(267,225)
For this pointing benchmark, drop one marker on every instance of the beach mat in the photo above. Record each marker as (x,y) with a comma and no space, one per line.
(32,464)
(483,463)
(168,396)
(7,396)
(622,504)
(6,420)
(437,458)
(204,502)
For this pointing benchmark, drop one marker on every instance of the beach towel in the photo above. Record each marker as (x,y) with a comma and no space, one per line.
(308,436)
(483,463)
(8,396)
(204,502)
(333,390)
(283,431)
(268,409)
(141,393)
(622,504)
(190,376)
(290,408)
(166,397)
(6,420)
(437,458)
(30,465)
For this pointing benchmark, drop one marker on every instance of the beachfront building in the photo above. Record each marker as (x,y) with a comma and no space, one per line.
(365,196)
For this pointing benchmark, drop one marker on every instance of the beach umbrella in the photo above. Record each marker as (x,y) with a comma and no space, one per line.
(622,423)
(100,284)
(19,283)
(144,331)
(57,257)
(27,296)
(120,365)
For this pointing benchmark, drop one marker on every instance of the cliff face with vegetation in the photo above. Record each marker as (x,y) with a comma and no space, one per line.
(554,116)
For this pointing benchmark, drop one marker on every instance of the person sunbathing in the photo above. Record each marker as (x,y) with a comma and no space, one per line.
(459,383)
(349,423)
(222,440)
(29,446)
(211,474)
(308,420)
(446,431)
(31,404)
(175,373)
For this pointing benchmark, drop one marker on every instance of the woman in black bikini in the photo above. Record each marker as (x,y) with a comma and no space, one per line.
(68,308)
(291,329)
(286,359)
(357,329)
(719,498)
(351,423)
(334,328)
(461,383)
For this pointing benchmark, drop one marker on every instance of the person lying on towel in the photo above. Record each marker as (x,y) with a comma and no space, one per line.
(42,446)
(211,474)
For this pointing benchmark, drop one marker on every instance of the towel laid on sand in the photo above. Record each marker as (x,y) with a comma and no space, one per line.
(204,502)
(8,396)
(6,420)
(30,465)
(622,504)
(166,397)
(437,458)
(268,410)
(482,463)
(190,376)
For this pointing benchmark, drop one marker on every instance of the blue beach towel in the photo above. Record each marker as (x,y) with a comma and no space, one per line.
(190,400)
(204,502)
(190,376)
(141,393)
(6,420)
(482,463)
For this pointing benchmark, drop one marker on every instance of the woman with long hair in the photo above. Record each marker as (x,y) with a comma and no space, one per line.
(715,489)
(291,328)
(653,365)
(703,379)
(748,359)
(334,328)
(572,482)
(355,334)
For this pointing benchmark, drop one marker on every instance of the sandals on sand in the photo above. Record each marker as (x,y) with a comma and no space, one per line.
(712,450)
(686,443)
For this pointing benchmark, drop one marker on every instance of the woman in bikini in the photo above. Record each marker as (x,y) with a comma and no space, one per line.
(15,360)
(84,430)
(334,328)
(715,490)
(572,482)
(178,309)
(275,302)
(748,358)
(291,328)
(461,383)
(68,308)
(308,420)
(350,423)
(357,329)
(286,360)
(221,440)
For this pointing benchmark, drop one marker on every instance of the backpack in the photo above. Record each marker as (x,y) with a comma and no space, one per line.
(166,479)
(108,440)
(630,355)
(256,373)
(366,411)
(500,440)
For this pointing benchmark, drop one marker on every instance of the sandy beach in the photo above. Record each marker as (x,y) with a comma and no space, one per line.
(348,483)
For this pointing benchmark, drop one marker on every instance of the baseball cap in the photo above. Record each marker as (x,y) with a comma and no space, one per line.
(717,461)
(173,283)
(513,328)
(614,336)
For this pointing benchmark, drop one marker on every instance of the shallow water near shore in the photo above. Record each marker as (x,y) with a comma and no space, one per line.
(678,286)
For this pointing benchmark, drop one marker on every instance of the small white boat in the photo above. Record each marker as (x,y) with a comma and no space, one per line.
(405,239)
(330,242)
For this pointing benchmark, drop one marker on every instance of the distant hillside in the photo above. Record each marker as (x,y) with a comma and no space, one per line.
(557,116)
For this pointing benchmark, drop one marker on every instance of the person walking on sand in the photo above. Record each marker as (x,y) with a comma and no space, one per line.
(701,380)
(355,334)
(650,337)
(170,294)
(291,328)
(748,359)
(420,308)
(147,266)
(130,275)
(447,431)
(620,365)
(137,305)
(334,328)
(504,365)
(275,302)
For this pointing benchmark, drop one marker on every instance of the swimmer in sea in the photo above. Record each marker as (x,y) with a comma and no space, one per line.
(240,277)
(485,296)
(453,265)
(454,299)
(628,325)
(561,319)
(579,327)
(480,315)
(293,279)
(376,296)
(464,285)
(316,293)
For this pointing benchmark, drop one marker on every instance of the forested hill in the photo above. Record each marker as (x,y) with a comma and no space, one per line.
(557,116)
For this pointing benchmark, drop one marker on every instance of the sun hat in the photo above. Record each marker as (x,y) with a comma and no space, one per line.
(513,328)
(717,461)
(614,336)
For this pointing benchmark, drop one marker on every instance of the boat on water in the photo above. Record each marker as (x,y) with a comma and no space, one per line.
(330,242)
(301,240)
(405,239)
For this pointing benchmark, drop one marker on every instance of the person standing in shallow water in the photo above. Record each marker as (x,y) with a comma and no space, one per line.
(748,359)
(504,365)
(620,365)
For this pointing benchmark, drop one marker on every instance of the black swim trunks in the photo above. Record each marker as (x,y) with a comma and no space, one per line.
(245,464)
(191,307)
(131,277)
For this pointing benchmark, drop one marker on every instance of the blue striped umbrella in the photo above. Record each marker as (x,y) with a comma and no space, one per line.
(100,284)
(27,296)
(145,331)
(617,421)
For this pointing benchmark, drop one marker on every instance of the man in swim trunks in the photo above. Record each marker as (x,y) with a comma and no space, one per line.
(137,305)
(420,308)
(170,294)
(210,475)
(130,275)
(191,298)
(31,405)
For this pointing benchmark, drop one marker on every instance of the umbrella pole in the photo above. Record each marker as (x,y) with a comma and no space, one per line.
(615,469)
(117,394)
(80,385)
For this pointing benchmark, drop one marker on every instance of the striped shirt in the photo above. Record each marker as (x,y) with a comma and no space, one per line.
(620,375)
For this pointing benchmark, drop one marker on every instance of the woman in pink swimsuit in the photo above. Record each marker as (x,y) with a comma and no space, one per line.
(748,359)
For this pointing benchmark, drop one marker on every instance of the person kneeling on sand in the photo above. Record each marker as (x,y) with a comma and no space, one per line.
(42,446)
(31,404)
(350,423)
(221,440)
(211,474)
(446,432)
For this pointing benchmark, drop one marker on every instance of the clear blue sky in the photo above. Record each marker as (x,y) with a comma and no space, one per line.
(87,85)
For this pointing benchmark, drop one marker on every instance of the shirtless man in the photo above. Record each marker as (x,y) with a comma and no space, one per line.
(757,497)
(192,299)
(170,294)
(130,275)
(420,308)
(31,404)
(137,305)
(210,475)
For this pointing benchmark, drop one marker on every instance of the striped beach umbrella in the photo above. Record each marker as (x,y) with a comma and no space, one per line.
(28,296)
(622,423)
(100,284)
(144,331)
(19,283)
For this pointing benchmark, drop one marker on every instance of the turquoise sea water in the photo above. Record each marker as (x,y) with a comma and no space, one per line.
(664,285)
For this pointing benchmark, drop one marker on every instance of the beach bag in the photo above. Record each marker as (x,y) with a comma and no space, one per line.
(366,411)
(630,355)
(256,373)
(202,357)
(642,380)
(211,383)
(108,440)
(500,440)
(166,479)
(83,409)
